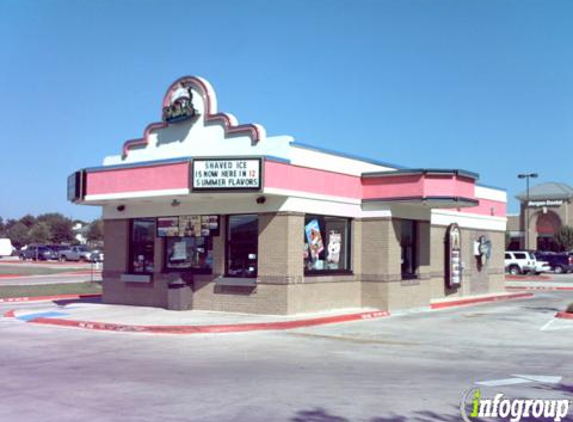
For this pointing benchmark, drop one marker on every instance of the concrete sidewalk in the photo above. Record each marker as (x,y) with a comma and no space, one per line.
(88,314)
(123,318)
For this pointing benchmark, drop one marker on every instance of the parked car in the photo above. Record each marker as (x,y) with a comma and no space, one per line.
(39,252)
(541,265)
(81,253)
(520,262)
(559,262)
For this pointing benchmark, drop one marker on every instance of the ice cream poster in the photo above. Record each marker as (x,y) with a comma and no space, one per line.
(314,238)
(333,248)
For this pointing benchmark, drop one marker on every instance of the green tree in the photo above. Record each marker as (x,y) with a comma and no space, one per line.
(28,220)
(2,228)
(40,233)
(95,231)
(18,234)
(564,238)
(60,227)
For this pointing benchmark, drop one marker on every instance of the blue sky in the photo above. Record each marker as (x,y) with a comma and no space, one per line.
(482,85)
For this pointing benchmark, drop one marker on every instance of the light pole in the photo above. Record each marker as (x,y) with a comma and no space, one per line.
(527,176)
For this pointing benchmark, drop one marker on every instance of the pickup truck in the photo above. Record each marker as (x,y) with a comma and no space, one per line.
(81,253)
(559,262)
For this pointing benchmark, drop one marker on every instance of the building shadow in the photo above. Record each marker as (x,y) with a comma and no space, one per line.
(323,415)
(63,302)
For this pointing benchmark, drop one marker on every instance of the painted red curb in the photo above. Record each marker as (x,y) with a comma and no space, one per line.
(198,329)
(472,301)
(45,298)
(541,288)
(10,314)
(11,276)
(528,278)
(565,315)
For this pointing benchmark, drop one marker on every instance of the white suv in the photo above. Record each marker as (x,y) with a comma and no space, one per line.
(520,262)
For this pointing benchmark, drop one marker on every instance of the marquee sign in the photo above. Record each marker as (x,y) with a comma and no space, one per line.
(453,257)
(227,174)
(545,203)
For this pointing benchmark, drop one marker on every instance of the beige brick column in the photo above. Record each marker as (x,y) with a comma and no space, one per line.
(116,237)
(380,261)
(281,240)
(424,250)
(280,260)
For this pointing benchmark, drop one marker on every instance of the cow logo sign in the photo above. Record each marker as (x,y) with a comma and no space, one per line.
(180,106)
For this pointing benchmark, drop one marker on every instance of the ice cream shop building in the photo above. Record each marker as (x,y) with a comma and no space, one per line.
(203,212)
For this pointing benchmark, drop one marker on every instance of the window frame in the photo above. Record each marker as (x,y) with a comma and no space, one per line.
(228,245)
(346,271)
(165,269)
(415,253)
(130,245)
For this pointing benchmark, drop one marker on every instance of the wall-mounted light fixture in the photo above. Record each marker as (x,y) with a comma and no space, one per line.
(261,200)
(121,208)
(175,203)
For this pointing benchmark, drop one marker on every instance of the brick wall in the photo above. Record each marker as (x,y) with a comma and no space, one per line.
(282,287)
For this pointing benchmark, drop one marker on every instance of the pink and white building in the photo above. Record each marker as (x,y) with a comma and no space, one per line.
(203,212)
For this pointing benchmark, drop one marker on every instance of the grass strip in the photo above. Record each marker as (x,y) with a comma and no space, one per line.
(50,289)
(22,270)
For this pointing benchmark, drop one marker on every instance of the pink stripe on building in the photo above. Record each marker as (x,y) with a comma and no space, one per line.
(303,179)
(159,177)
(418,186)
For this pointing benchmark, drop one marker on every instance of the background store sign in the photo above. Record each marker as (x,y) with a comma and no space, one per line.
(188,226)
(454,255)
(230,174)
(545,203)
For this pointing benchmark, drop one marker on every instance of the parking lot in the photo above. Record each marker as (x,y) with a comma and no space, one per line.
(407,367)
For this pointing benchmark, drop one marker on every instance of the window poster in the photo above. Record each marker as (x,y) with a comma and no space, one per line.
(198,225)
(314,238)
(189,225)
(179,252)
(167,226)
(333,249)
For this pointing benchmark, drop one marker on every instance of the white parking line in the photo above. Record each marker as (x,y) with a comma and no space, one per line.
(522,379)
(504,381)
(557,324)
(546,326)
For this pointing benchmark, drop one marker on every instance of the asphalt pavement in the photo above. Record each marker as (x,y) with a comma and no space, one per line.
(409,367)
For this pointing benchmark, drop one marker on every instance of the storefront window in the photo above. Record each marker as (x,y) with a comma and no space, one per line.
(326,244)
(242,245)
(409,248)
(141,246)
(189,254)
